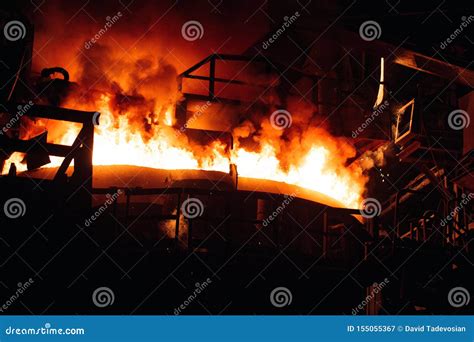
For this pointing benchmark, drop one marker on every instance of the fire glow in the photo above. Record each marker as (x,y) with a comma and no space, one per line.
(118,142)
(137,105)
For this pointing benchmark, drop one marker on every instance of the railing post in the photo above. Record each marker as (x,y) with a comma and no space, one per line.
(212,75)
(176,233)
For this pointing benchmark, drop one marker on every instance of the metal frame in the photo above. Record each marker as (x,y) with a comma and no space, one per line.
(181,193)
(80,151)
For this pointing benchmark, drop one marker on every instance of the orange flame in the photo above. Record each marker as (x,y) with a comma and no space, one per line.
(310,158)
(116,142)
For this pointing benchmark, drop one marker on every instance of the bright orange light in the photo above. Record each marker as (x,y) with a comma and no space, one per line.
(117,143)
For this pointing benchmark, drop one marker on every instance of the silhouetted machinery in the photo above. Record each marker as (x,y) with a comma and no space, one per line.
(329,256)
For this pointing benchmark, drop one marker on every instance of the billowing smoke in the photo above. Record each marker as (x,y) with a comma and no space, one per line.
(126,66)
